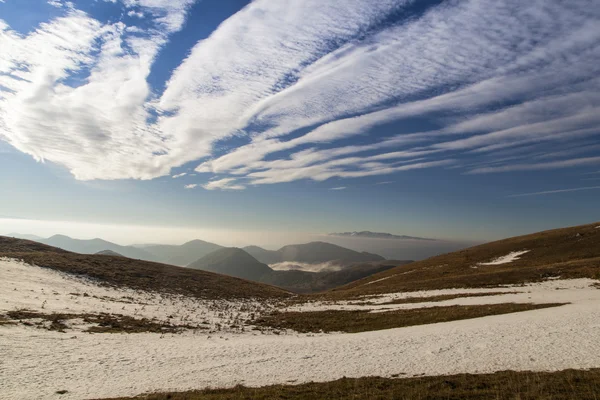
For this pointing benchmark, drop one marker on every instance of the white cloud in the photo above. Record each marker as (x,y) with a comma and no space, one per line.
(339,188)
(179,175)
(223,184)
(497,78)
(191,186)
(137,14)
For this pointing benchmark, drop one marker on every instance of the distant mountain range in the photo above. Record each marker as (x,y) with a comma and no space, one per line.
(377,235)
(180,255)
(342,265)
(239,263)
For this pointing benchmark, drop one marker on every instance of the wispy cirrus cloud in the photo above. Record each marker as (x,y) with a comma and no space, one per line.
(574,162)
(555,191)
(496,80)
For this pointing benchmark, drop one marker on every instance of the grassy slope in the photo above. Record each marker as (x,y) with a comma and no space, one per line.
(137,274)
(363,321)
(569,253)
(506,385)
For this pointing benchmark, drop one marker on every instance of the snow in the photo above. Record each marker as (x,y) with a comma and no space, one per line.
(550,291)
(35,363)
(510,257)
(39,289)
(379,280)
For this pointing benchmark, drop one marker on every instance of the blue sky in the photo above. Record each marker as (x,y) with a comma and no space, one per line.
(456,119)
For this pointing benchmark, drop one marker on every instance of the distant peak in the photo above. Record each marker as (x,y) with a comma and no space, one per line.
(59,236)
(376,235)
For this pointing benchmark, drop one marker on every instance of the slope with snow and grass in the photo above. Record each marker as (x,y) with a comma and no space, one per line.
(88,329)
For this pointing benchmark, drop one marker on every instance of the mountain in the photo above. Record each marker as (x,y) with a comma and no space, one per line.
(318,252)
(168,254)
(93,246)
(138,274)
(566,253)
(108,253)
(238,262)
(314,282)
(181,255)
(263,255)
(234,262)
(35,238)
(314,252)
(377,235)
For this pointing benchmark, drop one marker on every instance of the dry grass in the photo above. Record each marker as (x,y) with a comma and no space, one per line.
(428,299)
(363,321)
(566,253)
(137,274)
(506,385)
(442,297)
(105,323)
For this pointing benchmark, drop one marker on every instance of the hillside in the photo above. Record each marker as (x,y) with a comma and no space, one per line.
(566,253)
(234,262)
(137,274)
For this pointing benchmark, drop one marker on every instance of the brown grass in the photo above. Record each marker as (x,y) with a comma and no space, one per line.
(506,385)
(566,253)
(442,297)
(362,320)
(137,274)
(106,323)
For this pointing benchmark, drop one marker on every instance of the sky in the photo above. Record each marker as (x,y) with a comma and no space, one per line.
(462,120)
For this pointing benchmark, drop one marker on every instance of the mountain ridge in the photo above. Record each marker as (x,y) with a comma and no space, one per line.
(377,235)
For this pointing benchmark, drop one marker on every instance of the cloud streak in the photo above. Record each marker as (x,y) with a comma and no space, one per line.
(556,191)
(309,86)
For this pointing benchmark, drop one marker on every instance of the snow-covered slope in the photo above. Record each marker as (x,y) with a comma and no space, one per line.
(36,363)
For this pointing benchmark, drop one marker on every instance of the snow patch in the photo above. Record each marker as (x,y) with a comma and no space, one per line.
(550,291)
(510,257)
(24,286)
(379,280)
